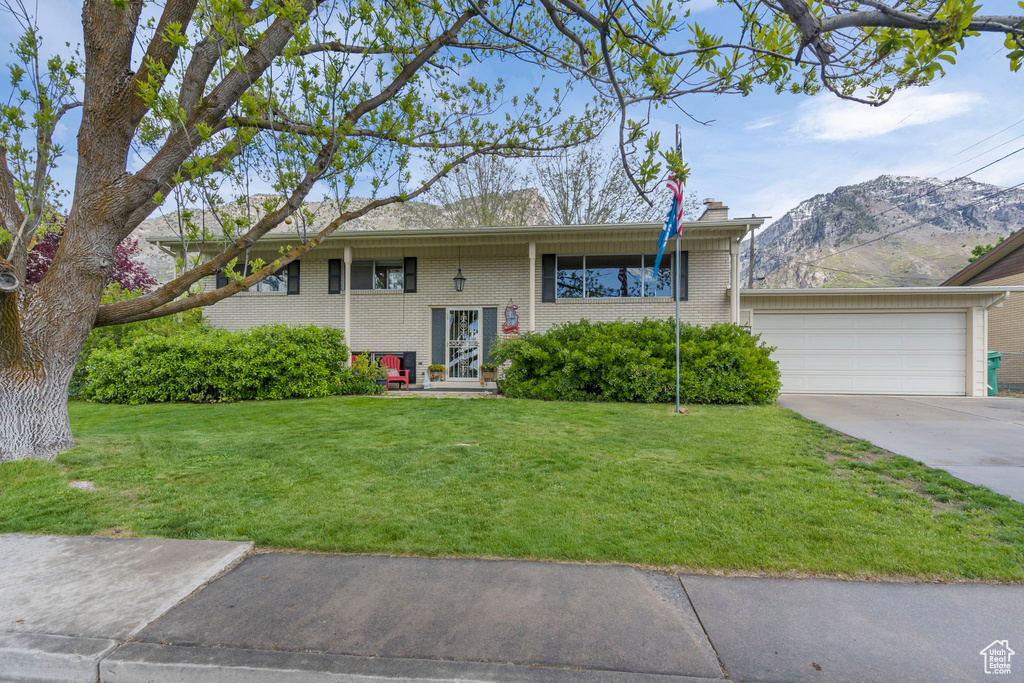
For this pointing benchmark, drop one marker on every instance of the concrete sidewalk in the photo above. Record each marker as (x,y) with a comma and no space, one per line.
(67,602)
(330,618)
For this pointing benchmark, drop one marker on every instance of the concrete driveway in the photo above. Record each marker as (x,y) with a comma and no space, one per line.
(980,440)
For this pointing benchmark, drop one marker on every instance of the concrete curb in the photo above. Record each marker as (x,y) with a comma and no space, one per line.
(172,664)
(41,657)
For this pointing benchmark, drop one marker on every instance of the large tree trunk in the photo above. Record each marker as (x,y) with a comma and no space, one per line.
(43,327)
(34,410)
(42,331)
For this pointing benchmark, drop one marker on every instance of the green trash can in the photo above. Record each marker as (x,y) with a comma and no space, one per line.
(994,359)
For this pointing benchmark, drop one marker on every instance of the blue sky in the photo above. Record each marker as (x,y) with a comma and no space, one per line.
(764,153)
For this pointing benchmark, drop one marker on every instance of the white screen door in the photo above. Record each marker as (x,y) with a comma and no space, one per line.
(463,343)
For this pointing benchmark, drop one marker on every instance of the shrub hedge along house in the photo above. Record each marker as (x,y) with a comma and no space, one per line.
(396,291)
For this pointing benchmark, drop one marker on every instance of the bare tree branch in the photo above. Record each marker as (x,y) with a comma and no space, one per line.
(409,69)
(12,220)
(212,109)
(162,52)
(343,48)
(124,312)
(162,297)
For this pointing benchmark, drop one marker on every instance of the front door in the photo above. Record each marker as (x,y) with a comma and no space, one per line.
(463,342)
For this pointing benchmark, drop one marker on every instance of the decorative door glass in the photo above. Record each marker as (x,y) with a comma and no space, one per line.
(463,343)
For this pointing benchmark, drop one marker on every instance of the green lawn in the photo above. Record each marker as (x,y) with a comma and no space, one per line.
(723,488)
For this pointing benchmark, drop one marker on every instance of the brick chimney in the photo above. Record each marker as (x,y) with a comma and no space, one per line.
(714,211)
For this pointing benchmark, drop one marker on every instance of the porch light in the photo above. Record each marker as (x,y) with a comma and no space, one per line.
(460,279)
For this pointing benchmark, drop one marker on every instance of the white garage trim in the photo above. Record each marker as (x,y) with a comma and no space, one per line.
(912,340)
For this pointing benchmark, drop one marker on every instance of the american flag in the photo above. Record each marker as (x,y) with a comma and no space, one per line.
(673,220)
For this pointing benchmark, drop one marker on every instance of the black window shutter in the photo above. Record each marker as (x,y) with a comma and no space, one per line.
(547,262)
(490,331)
(293,277)
(409,363)
(222,279)
(334,276)
(437,336)
(684,276)
(410,275)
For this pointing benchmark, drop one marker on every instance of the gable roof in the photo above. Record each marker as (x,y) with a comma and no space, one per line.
(976,272)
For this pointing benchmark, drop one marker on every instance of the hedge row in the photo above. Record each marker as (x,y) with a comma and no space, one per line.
(635,362)
(205,365)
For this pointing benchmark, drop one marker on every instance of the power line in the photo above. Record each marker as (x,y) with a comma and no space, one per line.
(989,137)
(933,191)
(981,154)
(1007,156)
(942,187)
(859,272)
(915,225)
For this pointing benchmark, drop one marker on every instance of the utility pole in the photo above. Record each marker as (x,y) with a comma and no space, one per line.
(750,265)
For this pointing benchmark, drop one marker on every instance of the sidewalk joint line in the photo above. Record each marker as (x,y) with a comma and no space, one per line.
(721,664)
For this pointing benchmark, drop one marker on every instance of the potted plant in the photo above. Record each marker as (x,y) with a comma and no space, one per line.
(436,372)
(488,372)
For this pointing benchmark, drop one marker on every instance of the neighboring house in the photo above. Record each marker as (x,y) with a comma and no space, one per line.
(393,290)
(1002,266)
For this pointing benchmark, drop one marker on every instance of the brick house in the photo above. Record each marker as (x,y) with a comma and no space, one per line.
(393,291)
(389,281)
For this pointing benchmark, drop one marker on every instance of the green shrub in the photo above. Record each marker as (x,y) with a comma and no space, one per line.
(202,364)
(635,362)
(120,336)
(362,377)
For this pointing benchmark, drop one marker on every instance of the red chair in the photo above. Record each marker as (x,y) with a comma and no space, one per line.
(395,374)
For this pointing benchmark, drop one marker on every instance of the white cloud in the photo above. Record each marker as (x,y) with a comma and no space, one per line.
(759,124)
(825,118)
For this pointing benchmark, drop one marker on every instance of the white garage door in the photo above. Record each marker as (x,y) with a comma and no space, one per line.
(868,353)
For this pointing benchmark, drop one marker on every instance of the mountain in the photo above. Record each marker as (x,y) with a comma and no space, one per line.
(841,239)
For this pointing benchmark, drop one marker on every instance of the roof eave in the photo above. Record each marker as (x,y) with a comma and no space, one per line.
(734,224)
(884,291)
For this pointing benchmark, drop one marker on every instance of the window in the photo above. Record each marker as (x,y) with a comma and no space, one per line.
(611,276)
(275,284)
(378,274)
(278,283)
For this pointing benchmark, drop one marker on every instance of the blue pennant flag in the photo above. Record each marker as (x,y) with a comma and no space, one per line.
(670,229)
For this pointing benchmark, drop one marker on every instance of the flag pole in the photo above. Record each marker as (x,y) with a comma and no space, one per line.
(679,150)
